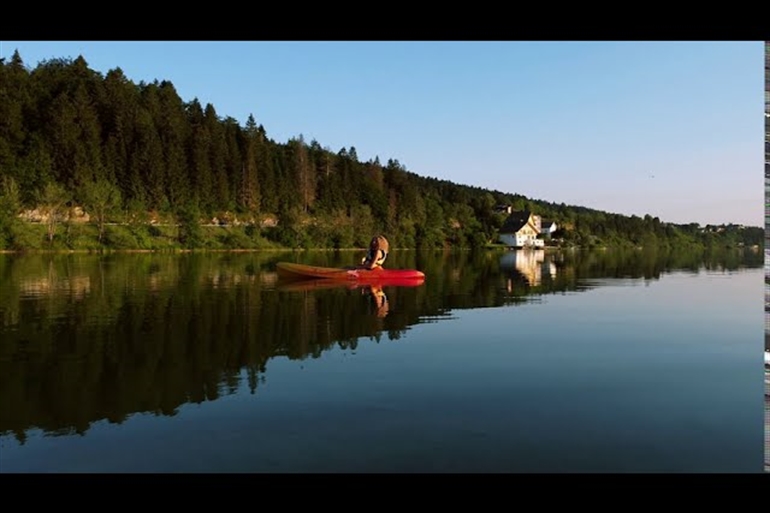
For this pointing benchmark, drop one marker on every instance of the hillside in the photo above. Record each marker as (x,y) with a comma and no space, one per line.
(91,161)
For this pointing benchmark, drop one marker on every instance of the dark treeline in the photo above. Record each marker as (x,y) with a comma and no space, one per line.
(137,159)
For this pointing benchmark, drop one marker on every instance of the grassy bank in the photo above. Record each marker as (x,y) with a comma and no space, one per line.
(85,237)
(139,237)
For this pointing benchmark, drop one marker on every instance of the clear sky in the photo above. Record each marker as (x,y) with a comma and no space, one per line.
(670,129)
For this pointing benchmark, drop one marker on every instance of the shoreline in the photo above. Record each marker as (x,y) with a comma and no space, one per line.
(550,249)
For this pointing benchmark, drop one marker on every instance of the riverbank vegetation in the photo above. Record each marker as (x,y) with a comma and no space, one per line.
(94,162)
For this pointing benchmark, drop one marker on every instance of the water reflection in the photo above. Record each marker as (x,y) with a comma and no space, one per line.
(85,338)
(530,263)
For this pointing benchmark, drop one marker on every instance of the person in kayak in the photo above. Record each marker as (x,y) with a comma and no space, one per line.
(378,252)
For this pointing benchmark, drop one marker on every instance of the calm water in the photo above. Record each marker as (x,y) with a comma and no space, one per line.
(500,362)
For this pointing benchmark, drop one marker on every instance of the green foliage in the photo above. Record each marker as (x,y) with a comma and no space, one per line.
(10,207)
(101,199)
(117,237)
(189,227)
(128,153)
(236,239)
(155,237)
(79,237)
(154,231)
(52,202)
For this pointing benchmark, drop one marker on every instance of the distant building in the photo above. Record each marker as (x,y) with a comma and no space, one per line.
(547,227)
(520,230)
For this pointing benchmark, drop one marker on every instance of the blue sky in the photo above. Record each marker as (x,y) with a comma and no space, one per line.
(670,129)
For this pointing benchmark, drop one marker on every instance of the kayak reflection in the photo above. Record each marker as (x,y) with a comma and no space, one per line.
(374,291)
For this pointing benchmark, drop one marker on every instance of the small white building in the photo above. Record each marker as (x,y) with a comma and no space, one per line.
(520,230)
(547,227)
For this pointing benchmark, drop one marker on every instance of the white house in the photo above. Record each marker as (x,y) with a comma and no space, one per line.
(520,230)
(547,227)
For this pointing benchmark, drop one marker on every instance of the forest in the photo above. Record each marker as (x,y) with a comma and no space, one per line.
(93,162)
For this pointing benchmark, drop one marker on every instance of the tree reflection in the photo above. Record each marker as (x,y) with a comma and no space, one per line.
(85,338)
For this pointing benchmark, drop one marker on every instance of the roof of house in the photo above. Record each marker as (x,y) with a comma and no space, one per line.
(546,222)
(516,221)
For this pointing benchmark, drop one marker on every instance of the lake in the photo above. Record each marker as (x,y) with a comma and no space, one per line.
(501,361)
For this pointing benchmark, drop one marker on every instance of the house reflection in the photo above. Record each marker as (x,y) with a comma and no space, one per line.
(529,263)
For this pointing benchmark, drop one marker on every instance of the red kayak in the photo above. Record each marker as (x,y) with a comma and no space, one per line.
(389,276)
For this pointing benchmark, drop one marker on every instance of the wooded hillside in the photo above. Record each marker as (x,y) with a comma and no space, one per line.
(130,160)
